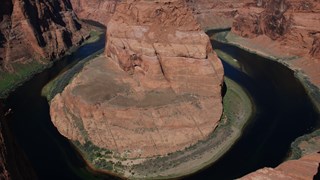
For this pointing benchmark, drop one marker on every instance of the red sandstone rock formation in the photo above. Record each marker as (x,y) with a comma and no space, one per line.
(156,92)
(215,14)
(97,10)
(290,22)
(34,30)
(286,28)
(304,168)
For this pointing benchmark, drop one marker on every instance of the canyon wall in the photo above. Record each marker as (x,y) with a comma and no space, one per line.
(304,168)
(215,14)
(97,10)
(288,29)
(36,30)
(31,30)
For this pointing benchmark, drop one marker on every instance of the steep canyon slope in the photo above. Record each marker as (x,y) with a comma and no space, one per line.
(304,168)
(30,31)
(156,91)
(286,29)
(36,30)
(215,14)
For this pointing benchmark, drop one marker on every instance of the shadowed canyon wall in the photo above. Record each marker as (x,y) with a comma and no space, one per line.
(35,30)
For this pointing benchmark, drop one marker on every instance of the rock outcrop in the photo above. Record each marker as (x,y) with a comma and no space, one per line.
(36,30)
(97,10)
(289,29)
(304,168)
(156,91)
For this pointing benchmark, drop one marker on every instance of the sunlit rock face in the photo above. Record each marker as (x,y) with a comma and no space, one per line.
(304,168)
(156,91)
(289,28)
(96,10)
(35,30)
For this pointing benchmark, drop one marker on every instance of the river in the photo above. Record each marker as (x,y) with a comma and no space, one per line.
(284,113)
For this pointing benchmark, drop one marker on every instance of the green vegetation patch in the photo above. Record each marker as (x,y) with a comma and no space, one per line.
(21,72)
(100,158)
(94,36)
(58,84)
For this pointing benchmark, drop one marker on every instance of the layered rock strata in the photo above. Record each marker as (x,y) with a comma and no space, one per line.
(215,14)
(35,30)
(287,29)
(304,168)
(157,90)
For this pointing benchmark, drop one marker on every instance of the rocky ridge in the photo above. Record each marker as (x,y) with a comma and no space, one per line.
(38,30)
(156,91)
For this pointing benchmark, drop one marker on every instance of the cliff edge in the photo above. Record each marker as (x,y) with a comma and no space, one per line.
(35,31)
(285,29)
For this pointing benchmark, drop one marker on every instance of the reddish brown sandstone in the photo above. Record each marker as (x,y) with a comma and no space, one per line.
(97,10)
(286,28)
(302,169)
(34,30)
(156,92)
(215,14)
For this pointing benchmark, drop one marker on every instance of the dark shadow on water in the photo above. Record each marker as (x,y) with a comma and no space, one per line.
(52,156)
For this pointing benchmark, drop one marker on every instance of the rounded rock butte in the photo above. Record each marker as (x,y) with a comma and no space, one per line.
(156,91)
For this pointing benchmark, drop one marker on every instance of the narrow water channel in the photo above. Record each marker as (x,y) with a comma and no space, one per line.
(51,155)
(284,113)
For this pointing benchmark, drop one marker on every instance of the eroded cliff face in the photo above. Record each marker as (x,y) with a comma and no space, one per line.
(294,23)
(286,29)
(215,14)
(161,47)
(304,168)
(97,10)
(35,30)
(156,91)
